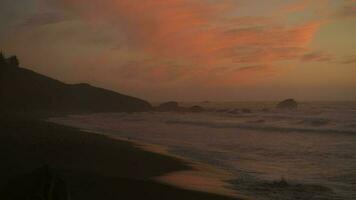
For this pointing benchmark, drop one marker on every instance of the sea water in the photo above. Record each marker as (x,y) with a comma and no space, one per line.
(308,153)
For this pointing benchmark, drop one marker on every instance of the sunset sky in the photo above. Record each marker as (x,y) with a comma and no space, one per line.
(190,50)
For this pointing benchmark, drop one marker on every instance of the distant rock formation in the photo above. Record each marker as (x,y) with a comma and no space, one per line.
(169,106)
(25,91)
(173,106)
(196,109)
(289,104)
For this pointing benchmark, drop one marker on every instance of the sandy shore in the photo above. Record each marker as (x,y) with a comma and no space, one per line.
(92,166)
(215,180)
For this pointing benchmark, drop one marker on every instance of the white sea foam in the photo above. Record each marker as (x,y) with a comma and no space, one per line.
(313,148)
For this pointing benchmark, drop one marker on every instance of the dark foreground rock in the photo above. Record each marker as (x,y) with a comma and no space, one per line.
(289,104)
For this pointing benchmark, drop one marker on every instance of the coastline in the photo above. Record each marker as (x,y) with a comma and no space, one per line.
(94,166)
(215,180)
(249,154)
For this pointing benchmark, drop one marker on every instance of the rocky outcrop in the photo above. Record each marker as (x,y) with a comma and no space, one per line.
(173,106)
(169,106)
(196,109)
(289,104)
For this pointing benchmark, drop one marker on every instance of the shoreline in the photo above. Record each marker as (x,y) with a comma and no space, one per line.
(93,166)
(216,180)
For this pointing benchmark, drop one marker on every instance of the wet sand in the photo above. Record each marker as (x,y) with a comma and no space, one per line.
(214,180)
(93,166)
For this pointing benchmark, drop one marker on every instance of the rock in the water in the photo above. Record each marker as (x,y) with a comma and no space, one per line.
(196,109)
(287,104)
(169,106)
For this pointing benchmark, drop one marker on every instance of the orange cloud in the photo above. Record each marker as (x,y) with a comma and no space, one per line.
(295,6)
(198,38)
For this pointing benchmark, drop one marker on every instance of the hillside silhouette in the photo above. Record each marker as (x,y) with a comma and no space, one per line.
(23,90)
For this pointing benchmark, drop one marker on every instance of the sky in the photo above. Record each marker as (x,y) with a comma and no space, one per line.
(190,50)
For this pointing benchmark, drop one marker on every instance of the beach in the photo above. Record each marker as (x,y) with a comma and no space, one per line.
(304,154)
(92,166)
(269,154)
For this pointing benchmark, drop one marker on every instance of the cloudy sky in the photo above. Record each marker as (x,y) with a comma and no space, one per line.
(190,49)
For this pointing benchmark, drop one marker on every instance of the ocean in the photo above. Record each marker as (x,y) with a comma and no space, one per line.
(309,153)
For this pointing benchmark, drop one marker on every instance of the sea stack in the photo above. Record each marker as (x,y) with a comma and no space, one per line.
(289,104)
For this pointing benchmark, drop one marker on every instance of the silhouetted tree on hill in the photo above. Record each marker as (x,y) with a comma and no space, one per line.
(13,61)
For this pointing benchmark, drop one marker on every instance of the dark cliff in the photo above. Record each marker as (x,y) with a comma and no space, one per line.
(23,90)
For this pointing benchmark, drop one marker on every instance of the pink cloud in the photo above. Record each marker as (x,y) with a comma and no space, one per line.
(200,34)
